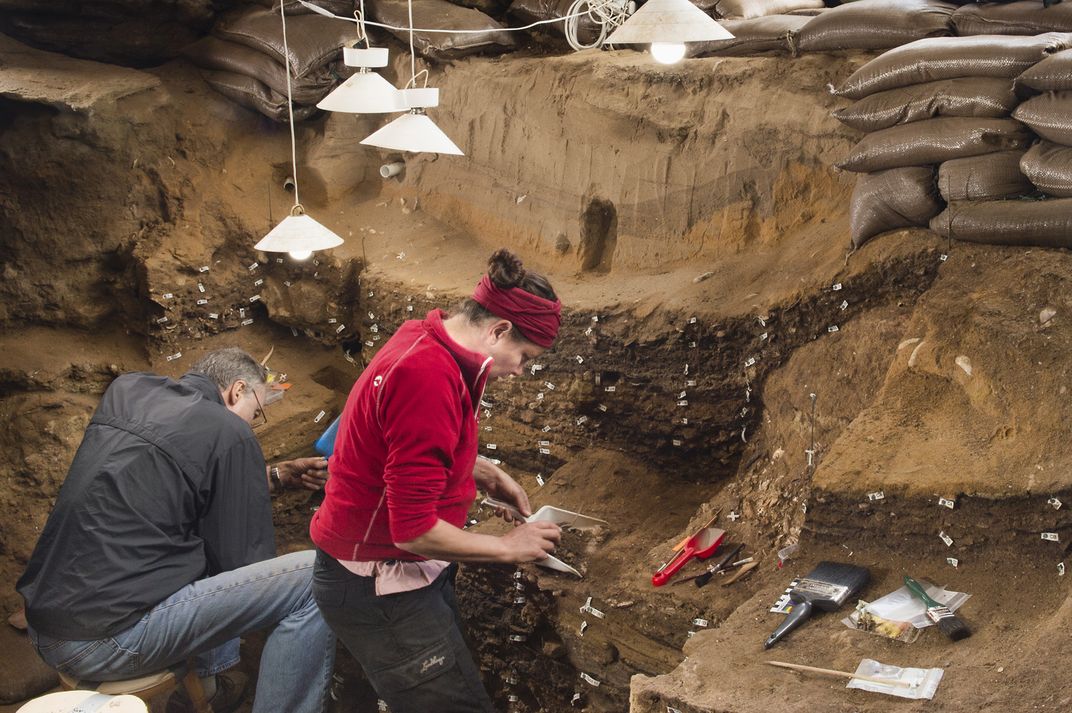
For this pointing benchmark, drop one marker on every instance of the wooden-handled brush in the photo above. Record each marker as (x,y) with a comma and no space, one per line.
(948,622)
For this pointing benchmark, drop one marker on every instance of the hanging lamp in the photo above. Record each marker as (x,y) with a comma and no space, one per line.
(414,131)
(667,25)
(364,92)
(297,234)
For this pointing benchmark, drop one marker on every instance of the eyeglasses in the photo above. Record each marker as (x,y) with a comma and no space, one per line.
(260,411)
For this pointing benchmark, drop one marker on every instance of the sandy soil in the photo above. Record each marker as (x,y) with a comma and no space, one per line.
(161,177)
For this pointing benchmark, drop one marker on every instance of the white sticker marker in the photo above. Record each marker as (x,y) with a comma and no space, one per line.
(319,417)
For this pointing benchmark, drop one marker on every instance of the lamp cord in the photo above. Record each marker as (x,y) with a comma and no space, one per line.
(412,54)
(607,14)
(327,13)
(290,109)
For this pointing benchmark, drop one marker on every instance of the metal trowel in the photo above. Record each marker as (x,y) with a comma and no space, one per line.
(549,513)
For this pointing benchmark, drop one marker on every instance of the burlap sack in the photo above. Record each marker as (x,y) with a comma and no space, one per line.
(967,96)
(747,9)
(1050,115)
(875,25)
(755,36)
(938,58)
(529,11)
(215,54)
(313,40)
(442,15)
(990,176)
(1050,75)
(889,200)
(1023,223)
(1049,167)
(255,95)
(1027,17)
(935,141)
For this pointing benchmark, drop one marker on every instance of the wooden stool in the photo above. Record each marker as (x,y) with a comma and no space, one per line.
(146,687)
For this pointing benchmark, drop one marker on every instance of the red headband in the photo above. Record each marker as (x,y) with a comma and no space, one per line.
(537,318)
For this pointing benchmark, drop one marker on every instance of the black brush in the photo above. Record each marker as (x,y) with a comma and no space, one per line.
(825,588)
(948,622)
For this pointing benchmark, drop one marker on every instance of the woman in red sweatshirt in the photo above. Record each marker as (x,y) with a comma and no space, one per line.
(404,473)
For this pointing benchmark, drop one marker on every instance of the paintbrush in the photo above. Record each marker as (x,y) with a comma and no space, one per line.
(825,588)
(948,622)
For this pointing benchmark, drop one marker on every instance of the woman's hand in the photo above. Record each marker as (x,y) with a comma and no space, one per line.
(531,542)
(495,482)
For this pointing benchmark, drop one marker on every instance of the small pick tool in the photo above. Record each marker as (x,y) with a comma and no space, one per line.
(826,588)
(701,545)
(549,513)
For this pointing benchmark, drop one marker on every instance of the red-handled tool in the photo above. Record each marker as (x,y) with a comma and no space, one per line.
(701,545)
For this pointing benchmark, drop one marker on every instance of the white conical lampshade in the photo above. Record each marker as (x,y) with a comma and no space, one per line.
(671,21)
(413,132)
(298,234)
(364,93)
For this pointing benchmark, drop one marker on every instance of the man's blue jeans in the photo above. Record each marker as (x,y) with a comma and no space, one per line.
(206,618)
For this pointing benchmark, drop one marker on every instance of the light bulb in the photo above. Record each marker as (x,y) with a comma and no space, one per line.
(301,254)
(667,52)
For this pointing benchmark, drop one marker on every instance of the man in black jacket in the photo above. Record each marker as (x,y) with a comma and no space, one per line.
(160,545)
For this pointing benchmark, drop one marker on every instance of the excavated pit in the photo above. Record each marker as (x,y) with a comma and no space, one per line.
(698,241)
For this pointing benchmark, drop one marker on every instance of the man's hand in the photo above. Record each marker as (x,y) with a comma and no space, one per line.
(495,482)
(308,473)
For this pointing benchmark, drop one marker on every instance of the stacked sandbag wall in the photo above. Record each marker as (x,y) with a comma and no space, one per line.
(1046,221)
(942,134)
(243,58)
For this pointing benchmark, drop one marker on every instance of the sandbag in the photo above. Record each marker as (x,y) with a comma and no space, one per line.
(966,96)
(529,11)
(1027,17)
(1050,75)
(313,40)
(1050,115)
(442,15)
(255,95)
(1023,223)
(888,200)
(760,34)
(990,176)
(935,141)
(936,58)
(212,53)
(1049,167)
(876,25)
(747,9)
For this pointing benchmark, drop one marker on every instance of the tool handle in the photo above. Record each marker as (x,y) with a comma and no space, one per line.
(492,502)
(668,570)
(917,589)
(844,674)
(801,611)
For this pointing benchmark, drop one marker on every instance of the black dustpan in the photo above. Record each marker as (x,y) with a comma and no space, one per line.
(826,588)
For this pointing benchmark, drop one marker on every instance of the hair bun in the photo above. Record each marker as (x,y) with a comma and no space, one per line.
(505,269)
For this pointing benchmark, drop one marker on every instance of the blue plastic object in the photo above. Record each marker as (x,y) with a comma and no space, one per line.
(325,445)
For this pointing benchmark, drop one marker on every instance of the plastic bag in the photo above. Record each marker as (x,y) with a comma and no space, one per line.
(1046,223)
(1049,167)
(1027,17)
(1050,115)
(981,178)
(893,199)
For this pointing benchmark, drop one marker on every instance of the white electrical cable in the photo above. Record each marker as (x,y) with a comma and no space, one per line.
(327,13)
(607,14)
(290,109)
